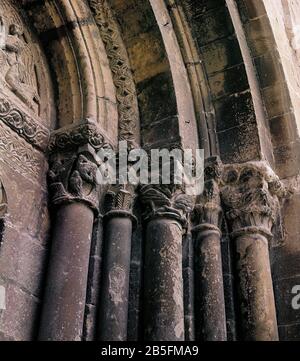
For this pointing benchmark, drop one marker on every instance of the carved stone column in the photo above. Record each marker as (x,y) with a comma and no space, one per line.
(166,209)
(209,275)
(250,196)
(115,281)
(75,197)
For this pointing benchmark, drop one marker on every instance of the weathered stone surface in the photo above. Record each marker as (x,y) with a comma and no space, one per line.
(85,74)
(163,287)
(65,295)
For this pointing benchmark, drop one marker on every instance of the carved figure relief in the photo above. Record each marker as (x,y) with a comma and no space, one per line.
(17,63)
(73,179)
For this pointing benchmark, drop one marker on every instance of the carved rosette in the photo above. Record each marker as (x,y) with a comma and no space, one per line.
(207,211)
(166,201)
(250,195)
(73,178)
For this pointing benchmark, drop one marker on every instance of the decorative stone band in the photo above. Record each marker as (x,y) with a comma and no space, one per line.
(122,74)
(206,229)
(250,194)
(166,201)
(23,124)
(76,136)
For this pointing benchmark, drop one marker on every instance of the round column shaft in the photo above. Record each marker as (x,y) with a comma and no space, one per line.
(209,283)
(255,288)
(115,280)
(65,294)
(164,313)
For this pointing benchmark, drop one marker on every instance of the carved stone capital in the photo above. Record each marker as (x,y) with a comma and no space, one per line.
(207,211)
(73,178)
(119,202)
(76,136)
(250,195)
(166,201)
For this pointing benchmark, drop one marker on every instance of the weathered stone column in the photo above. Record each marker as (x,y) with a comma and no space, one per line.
(113,310)
(209,275)
(74,193)
(165,215)
(250,196)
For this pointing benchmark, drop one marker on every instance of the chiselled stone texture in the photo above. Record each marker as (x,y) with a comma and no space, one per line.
(17,152)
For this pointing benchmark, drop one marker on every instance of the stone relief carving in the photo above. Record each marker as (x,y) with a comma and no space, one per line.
(250,195)
(17,153)
(16,58)
(72,178)
(122,75)
(119,198)
(20,63)
(22,124)
(119,201)
(166,201)
(208,205)
(80,135)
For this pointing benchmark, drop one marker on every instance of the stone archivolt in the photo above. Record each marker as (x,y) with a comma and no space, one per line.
(122,75)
